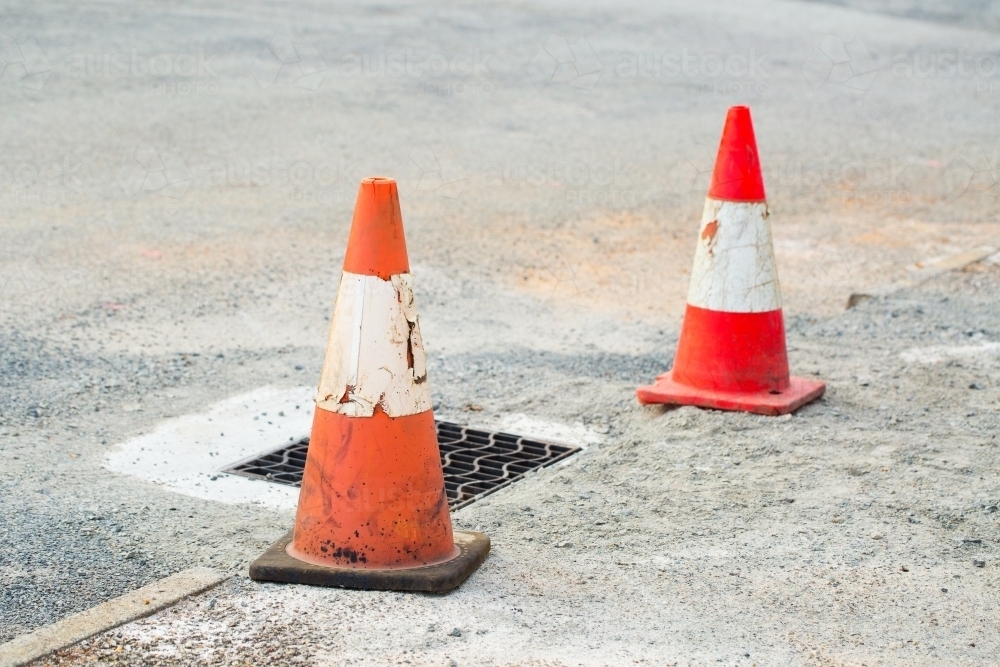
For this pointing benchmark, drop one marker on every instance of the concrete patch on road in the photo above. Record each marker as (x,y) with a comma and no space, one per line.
(577,435)
(186,454)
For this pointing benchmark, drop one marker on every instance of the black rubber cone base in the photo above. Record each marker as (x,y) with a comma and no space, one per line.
(276,565)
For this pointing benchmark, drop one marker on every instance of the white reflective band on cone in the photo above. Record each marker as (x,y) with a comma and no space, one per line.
(734,269)
(375,355)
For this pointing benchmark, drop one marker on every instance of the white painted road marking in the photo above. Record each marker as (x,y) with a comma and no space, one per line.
(576,435)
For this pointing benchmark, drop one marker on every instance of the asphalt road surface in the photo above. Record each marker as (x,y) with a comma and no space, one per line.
(176,185)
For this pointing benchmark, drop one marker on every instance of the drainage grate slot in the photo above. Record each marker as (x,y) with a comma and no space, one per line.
(476,463)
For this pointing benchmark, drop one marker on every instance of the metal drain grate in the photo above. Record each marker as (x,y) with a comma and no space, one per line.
(476,463)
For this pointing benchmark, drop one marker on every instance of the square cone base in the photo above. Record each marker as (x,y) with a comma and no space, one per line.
(800,391)
(276,565)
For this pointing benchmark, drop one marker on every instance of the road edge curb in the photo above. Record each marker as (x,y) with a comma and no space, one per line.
(123,609)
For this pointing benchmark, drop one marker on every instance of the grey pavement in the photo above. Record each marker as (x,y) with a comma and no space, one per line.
(176,184)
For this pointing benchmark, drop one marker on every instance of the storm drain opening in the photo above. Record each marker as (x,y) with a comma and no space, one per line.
(476,463)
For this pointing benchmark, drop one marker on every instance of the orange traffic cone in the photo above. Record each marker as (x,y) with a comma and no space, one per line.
(372,511)
(731,354)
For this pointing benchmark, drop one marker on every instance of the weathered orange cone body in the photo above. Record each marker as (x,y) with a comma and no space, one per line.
(373,494)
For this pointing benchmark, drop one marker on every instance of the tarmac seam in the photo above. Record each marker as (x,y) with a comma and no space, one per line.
(924,272)
(105,616)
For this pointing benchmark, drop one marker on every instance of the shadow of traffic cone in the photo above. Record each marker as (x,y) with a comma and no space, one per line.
(372,511)
(731,354)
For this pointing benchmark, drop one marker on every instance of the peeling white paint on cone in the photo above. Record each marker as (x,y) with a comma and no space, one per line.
(375,355)
(734,268)
(186,454)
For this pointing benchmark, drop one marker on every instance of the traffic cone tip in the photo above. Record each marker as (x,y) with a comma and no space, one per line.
(737,175)
(377,246)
